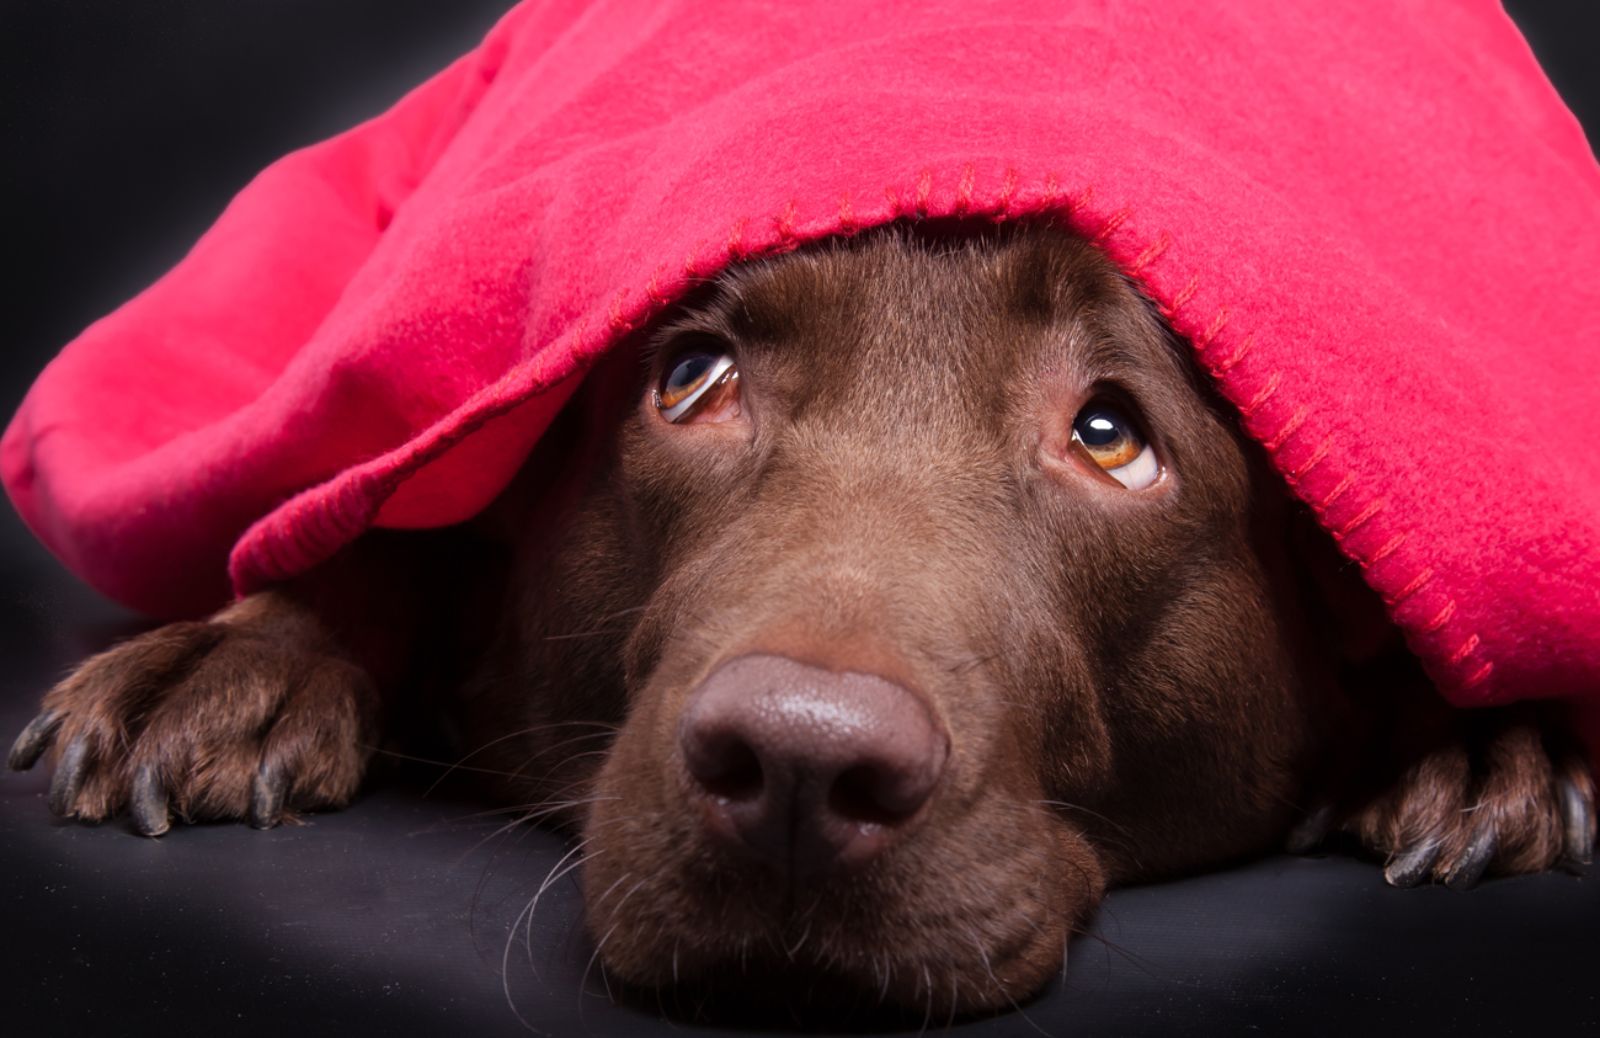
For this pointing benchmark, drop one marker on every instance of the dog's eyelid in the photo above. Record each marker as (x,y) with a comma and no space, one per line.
(683,337)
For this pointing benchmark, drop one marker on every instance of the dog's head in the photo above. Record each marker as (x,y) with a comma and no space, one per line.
(931,593)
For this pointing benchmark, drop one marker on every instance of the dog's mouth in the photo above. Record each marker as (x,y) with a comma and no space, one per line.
(948,925)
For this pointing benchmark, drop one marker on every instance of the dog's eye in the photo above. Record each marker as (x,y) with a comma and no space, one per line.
(700,383)
(1113,442)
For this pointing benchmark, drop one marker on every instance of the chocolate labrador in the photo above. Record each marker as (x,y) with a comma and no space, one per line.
(909,591)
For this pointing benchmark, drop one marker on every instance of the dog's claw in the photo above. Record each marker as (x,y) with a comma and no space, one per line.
(34,740)
(1413,866)
(1311,831)
(266,799)
(69,776)
(1577,815)
(148,803)
(1465,871)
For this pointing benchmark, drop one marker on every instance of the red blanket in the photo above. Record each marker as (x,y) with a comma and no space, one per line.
(1377,224)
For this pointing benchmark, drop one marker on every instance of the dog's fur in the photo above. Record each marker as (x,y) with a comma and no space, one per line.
(1132,683)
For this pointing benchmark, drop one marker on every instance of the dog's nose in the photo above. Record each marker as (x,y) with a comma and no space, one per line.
(812,770)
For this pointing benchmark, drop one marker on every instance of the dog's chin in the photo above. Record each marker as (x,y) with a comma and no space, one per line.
(910,935)
(840,975)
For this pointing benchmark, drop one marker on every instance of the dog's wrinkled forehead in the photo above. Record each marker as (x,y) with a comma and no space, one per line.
(999,312)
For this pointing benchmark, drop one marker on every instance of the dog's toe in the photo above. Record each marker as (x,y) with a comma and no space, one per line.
(1577,816)
(1413,865)
(1464,870)
(266,799)
(1504,794)
(148,803)
(34,740)
(67,781)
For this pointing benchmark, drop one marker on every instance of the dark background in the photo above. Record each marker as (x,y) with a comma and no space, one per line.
(127,126)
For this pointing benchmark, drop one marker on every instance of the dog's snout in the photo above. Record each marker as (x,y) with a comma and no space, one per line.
(811,769)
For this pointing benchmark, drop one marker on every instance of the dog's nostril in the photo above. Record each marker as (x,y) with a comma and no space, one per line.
(727,767)
(810,769)
(867,793)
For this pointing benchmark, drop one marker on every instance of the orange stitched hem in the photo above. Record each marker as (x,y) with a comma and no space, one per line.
(1441,618)
(1360,517)
(1289,429)
(1273,382)
(1467,648)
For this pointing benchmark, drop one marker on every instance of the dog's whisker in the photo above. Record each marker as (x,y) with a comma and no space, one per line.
(535,729)
(618,614)
(556,872)
(601,897)
(972,663)
(1108,839)
(599,628)
(527,931)
(988,966)
(523,813)
(522,769)
(617,908)
(583,982)
(927,1013)
(597,632)
(509,809)
(460,763)
(505,968)
(661,1001)
(791,952)
(566,789)
(519,823)
(549,808)
(396,754)
(1069,806)
(1132,958)
(567,760)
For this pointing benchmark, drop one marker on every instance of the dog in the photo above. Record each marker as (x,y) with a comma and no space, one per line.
(891,600)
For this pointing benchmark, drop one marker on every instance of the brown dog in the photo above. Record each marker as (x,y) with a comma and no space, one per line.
(911,591)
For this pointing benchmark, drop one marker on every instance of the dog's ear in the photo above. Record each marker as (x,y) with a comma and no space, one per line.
(1350,618)
(580,445)
(1346,617)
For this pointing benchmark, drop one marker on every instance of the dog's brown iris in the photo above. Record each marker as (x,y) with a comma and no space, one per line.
(1112,441)
(697,382)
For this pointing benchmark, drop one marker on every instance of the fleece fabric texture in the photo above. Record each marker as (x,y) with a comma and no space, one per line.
(1377,224)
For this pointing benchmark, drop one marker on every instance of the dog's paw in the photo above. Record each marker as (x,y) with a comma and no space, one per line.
(1502,791)
(243,716)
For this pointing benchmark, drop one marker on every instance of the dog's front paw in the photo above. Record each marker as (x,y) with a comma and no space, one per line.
(1502,791)
(244,716)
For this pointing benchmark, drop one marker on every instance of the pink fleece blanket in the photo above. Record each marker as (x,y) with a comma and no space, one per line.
(1377,224)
